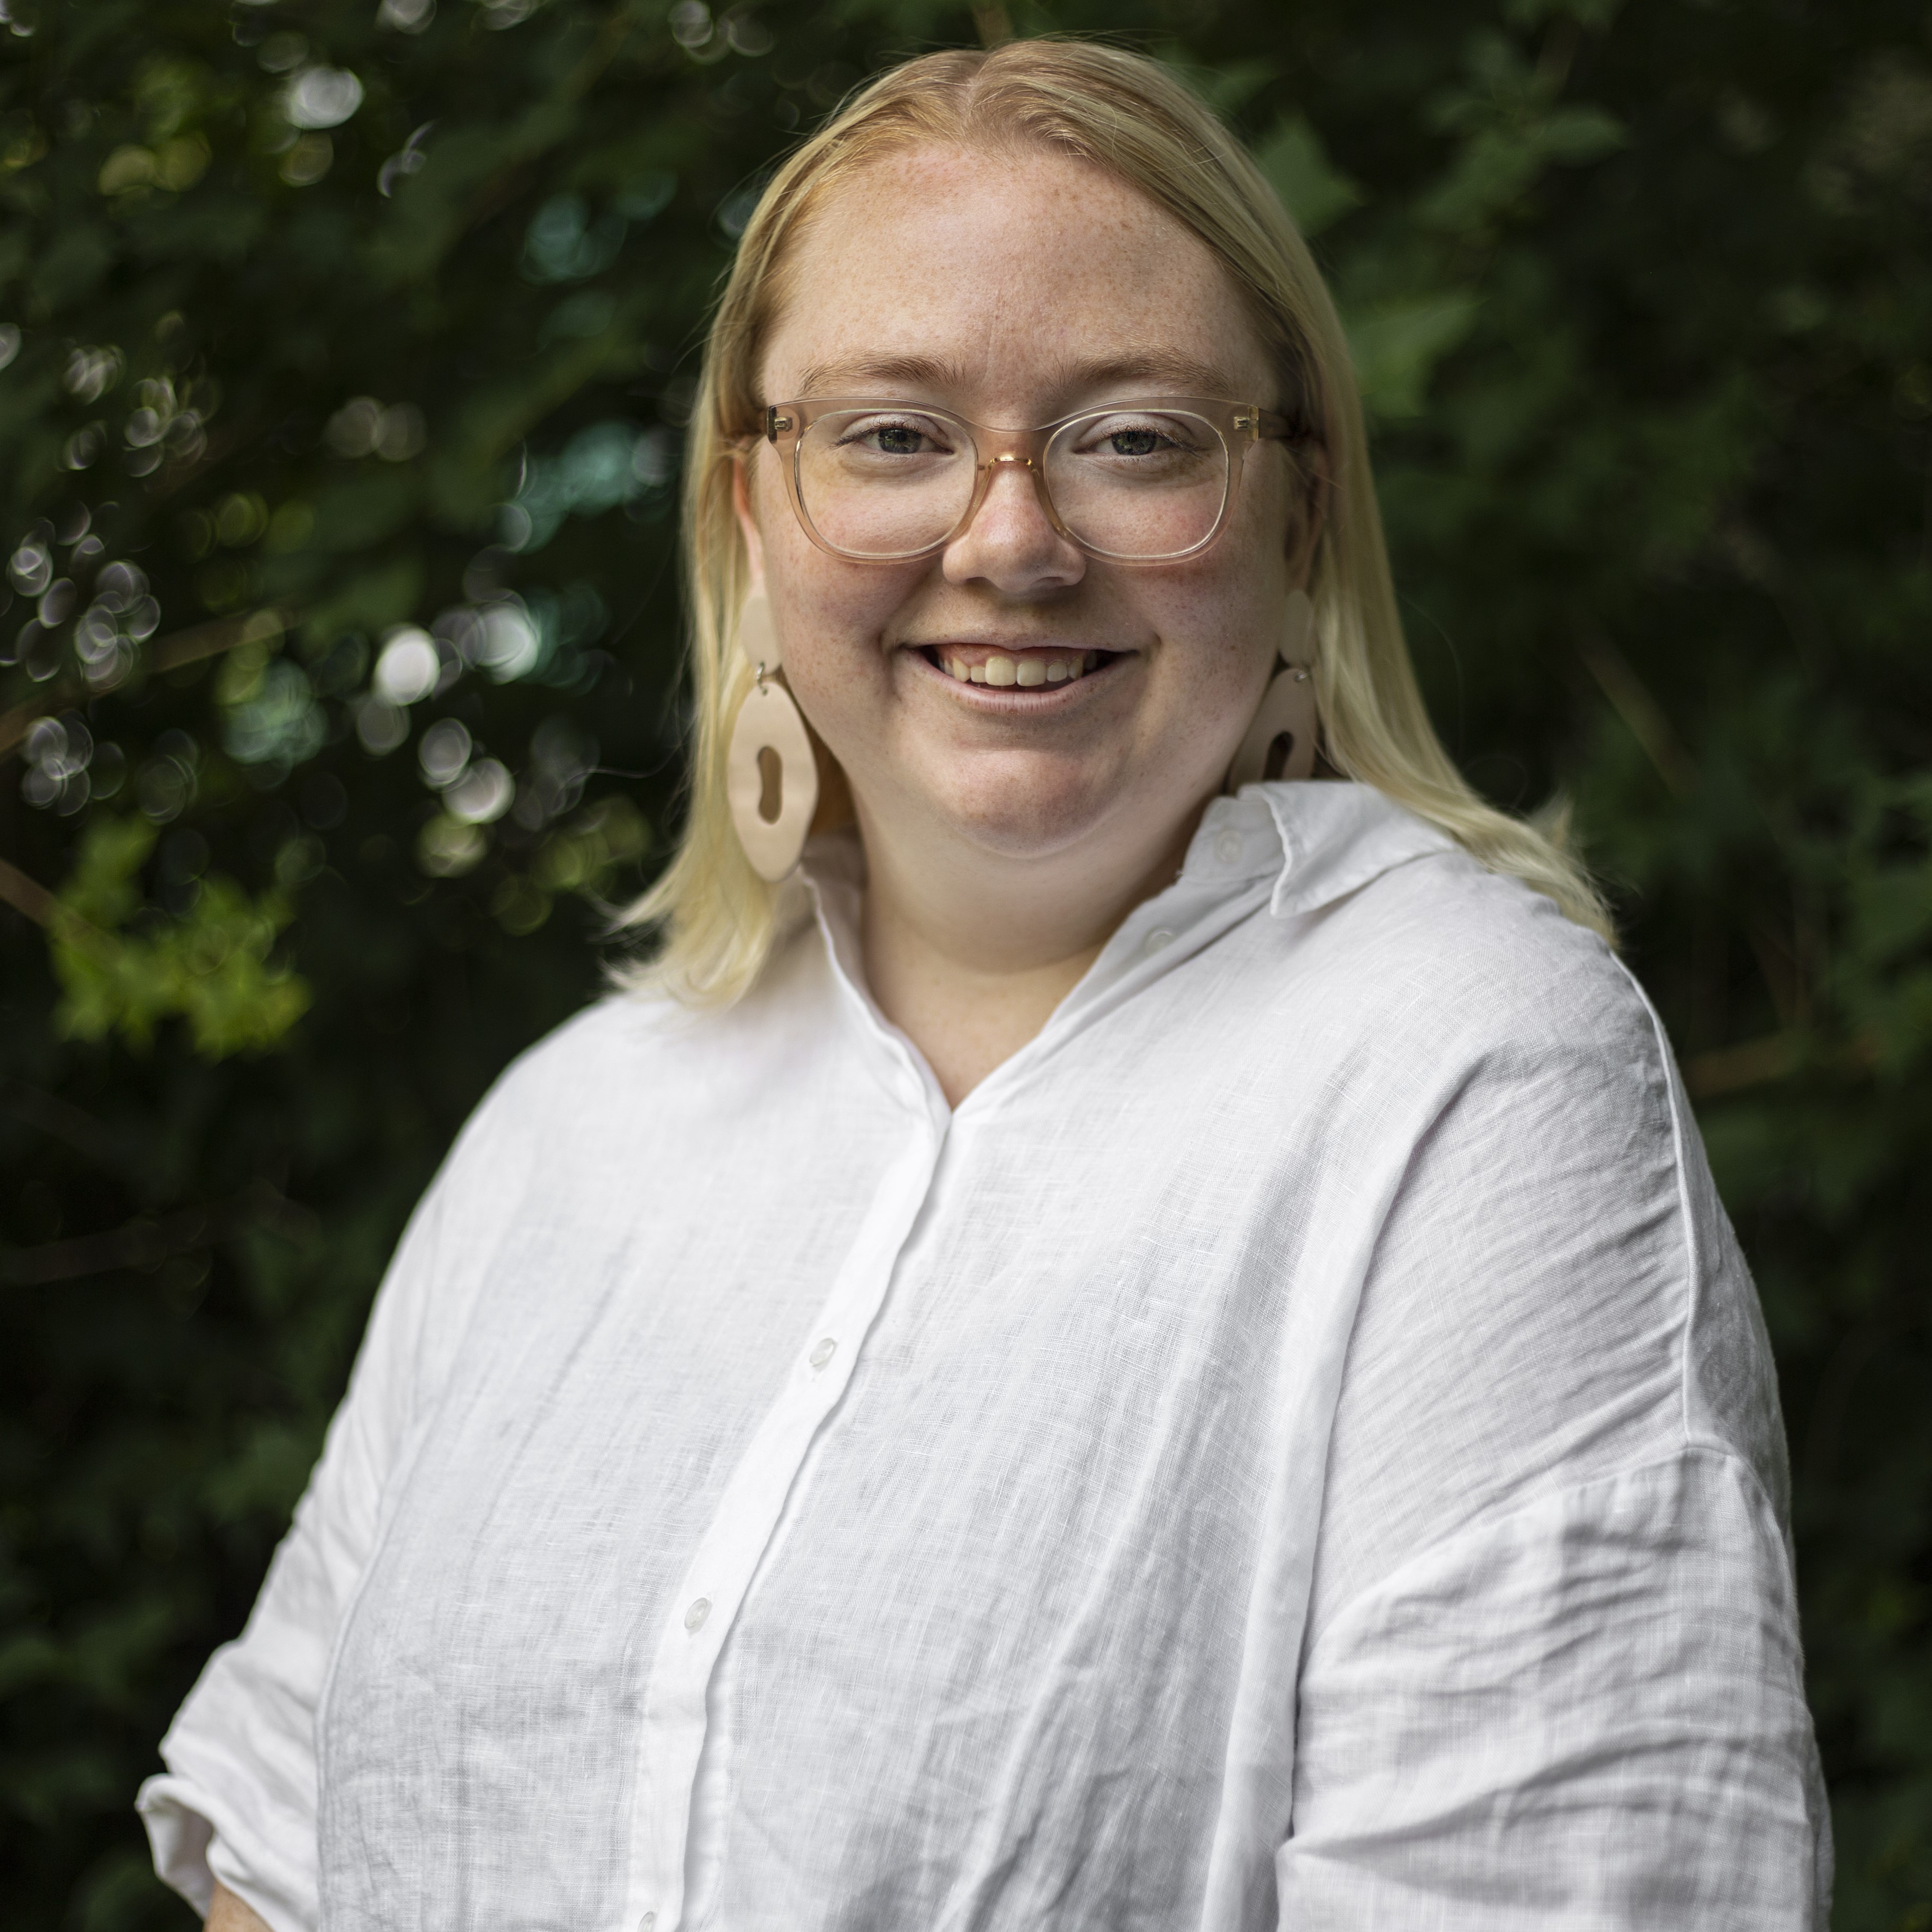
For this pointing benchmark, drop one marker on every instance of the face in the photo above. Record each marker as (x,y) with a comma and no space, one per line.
(1014,292)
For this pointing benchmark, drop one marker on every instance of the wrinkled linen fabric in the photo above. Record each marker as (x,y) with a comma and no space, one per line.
(1296,1448)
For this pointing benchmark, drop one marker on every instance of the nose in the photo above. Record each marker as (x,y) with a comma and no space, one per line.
(1011,543)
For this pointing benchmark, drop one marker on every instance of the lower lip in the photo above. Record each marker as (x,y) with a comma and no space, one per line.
(1012,699)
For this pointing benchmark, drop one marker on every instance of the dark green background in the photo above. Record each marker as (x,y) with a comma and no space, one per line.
(1643,304)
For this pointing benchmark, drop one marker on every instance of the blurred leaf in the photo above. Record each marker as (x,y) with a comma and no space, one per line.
(1314,190)
(1397,344)
(211,967)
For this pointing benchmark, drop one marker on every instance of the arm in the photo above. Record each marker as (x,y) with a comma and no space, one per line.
(1586,1712)
(1553,1680)
(227,1913)
(232,1820)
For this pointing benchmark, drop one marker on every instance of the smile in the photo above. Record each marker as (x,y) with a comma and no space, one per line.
(1026,669)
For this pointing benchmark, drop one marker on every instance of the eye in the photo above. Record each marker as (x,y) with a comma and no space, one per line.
(894,436)
(1139,437)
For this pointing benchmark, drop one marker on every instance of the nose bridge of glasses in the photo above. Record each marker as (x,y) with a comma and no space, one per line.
(1008,448)
(1020,450)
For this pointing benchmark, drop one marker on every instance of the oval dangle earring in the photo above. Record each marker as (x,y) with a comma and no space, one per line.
(771,778)
(1280,743)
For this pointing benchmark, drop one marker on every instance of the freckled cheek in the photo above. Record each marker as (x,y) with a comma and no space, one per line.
(1236,608)
(835,619)
(835,662)
(831,617)
(1217,642)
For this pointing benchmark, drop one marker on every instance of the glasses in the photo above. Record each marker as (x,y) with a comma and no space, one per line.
(1140,482)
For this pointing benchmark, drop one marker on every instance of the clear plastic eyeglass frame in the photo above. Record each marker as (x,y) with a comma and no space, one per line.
(1239,425)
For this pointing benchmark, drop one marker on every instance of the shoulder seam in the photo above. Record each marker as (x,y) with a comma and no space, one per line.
(1693,1257)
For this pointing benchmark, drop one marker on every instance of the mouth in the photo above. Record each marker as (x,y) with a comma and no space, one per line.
(1041,667)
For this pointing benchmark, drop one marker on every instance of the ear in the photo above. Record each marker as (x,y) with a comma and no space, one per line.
(1311,463)
(747,523)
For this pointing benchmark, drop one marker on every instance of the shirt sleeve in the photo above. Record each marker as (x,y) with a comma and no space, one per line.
(238,1801)
(1586,1712)
(1553,1678)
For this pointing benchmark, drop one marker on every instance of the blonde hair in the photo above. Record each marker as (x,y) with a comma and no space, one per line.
(1125,114)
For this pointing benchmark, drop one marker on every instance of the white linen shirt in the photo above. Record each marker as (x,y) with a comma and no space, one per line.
(1295,1448)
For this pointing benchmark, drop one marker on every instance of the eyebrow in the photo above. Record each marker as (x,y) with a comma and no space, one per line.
(1161,371)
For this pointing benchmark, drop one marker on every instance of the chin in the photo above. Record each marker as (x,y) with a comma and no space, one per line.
(1027,820)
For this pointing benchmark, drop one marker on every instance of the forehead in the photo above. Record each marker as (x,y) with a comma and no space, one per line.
(1011,281)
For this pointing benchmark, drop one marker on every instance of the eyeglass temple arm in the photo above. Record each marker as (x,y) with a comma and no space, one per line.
(1271,426)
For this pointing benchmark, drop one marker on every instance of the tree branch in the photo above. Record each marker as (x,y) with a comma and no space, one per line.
(61,1119)
(146,1244)
(170,653)
(27,895)
(1631,700)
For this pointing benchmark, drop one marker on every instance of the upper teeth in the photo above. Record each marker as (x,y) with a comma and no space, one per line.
(1000,669)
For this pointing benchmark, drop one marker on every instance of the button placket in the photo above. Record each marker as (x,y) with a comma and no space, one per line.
(742,1529)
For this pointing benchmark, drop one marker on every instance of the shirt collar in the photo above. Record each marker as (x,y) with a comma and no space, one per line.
(1294,847)
(1335,837)
(1316,840)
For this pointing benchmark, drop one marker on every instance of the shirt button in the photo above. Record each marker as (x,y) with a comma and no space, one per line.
(693,1618)
(1156,939)
(649,1919)
(824,1352)
(1228,846)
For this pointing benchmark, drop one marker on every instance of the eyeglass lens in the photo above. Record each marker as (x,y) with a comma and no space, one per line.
(883,482)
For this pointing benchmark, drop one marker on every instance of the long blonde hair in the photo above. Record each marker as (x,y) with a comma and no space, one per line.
(1123,113)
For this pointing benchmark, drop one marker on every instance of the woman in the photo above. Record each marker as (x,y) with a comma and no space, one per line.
(1144,1340)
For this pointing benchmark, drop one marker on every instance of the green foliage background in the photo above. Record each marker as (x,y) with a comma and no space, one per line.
(1642,304)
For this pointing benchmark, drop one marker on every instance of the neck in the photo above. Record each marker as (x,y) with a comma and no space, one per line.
(968,952)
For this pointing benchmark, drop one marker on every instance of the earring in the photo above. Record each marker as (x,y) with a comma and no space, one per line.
(771,778)
(1280,743)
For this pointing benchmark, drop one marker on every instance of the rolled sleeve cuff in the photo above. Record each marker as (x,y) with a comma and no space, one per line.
(195,1845)
(179,1835)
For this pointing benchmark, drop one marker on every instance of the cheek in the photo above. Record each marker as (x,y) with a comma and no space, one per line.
(1224,631)
(820,604)
(1250,595)
(832,617)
